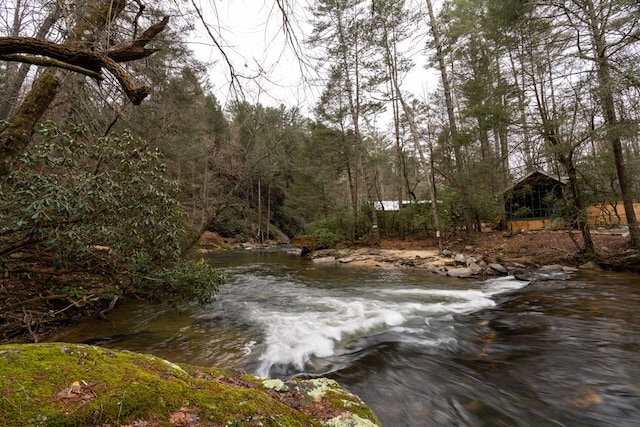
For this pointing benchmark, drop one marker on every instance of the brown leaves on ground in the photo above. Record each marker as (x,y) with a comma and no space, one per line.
(318,408)
(77,391)
(184,417)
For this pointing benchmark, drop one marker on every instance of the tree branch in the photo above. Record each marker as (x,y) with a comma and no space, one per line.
(49,62)
(86,61)
(16,246)
(83,58)
(134,92)
(137,48)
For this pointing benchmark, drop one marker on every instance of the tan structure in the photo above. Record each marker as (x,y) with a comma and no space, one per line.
(608,214)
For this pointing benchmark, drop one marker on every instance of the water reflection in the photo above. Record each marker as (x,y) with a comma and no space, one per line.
(419,349)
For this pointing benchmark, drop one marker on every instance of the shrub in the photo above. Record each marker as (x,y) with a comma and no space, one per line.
(99,205)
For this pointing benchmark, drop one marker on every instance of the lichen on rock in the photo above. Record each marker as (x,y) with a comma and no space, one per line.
(349,420)
(322,385)
(275,384)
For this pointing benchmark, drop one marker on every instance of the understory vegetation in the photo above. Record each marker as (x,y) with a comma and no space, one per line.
(77,211)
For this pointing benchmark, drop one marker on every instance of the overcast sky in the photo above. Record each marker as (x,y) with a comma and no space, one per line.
(251,34)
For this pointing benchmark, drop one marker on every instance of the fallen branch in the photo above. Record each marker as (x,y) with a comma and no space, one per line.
(73,304)
(27,321)
(34,300)
(103,313)
(16,246)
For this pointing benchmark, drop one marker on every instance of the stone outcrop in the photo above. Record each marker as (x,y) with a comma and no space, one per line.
(446,263)
(71,384)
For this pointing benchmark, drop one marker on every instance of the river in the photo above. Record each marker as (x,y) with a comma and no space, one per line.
(418,348)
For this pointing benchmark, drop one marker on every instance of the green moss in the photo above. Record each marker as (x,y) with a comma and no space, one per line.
(67,384)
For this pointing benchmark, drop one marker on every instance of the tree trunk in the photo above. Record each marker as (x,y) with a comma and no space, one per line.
(399,154)
(581,222)
(369,187)
(453,129)
(428,172)
(259,212)
(605,86)
(268,225)
(15,138)
(15,82)
(353,186)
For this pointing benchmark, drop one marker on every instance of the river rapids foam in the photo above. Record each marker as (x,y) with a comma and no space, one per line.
(317,326)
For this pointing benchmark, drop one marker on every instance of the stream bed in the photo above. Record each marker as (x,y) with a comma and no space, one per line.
(418,348)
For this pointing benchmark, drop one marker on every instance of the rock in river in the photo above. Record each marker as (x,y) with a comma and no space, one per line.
(73,384)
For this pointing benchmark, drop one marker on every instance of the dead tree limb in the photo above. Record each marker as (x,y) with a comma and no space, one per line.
(50,62)
(112,304)
(15,138)
(85,61)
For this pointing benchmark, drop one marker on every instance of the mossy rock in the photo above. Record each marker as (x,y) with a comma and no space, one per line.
(57,384)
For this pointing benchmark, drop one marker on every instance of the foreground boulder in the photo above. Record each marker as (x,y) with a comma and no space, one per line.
(69,384)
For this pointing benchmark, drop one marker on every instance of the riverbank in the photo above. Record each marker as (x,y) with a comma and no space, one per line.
(493,253)
(490,253)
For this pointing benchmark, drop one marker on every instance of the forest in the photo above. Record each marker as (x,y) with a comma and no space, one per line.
(117,154)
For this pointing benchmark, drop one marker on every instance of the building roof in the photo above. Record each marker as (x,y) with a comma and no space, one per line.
(562,180)
(394,205)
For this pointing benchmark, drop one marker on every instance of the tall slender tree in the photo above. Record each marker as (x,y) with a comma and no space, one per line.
(453,127)
(601,19)
(339,27)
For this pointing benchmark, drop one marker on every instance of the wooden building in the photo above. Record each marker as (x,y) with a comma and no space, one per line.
(531,202)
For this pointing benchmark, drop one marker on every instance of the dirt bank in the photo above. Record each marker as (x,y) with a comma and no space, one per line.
(532,249)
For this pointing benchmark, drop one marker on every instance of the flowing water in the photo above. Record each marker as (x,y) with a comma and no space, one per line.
(419,349)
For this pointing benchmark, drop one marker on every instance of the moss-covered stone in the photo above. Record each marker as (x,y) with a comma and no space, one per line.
(59,384)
